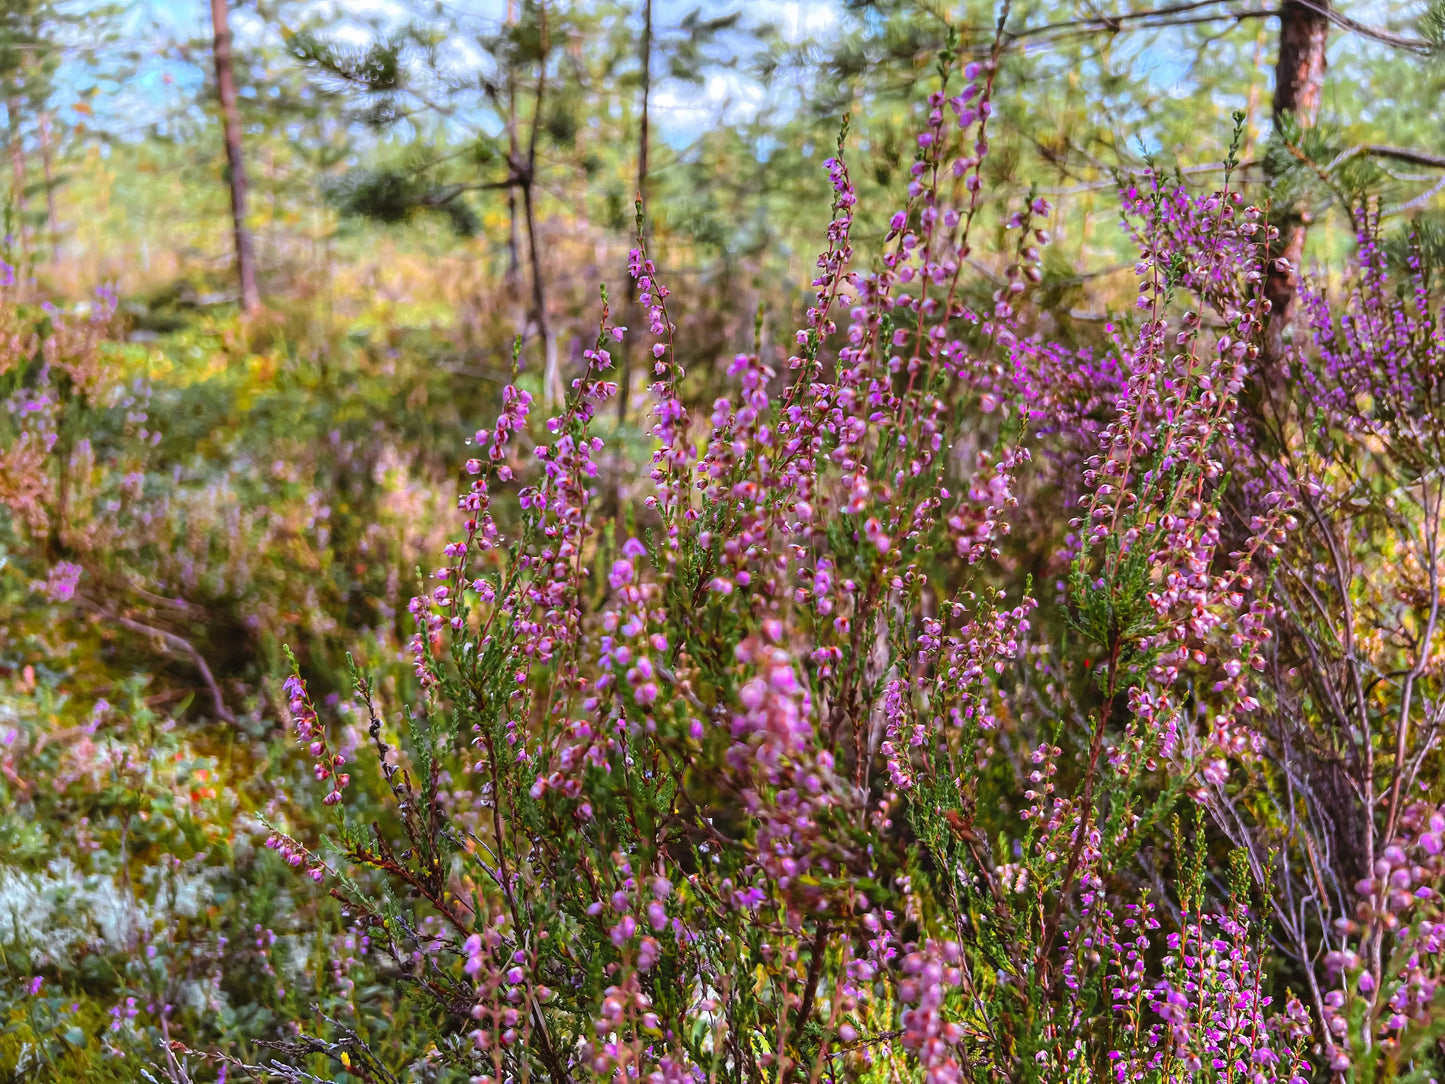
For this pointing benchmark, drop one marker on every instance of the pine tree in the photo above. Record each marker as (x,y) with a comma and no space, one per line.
(235,158)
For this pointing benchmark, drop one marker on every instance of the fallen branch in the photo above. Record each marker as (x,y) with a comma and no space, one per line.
(175,642)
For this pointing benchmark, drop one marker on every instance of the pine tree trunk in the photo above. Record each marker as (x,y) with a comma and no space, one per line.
(624,380)
(514,246)
(1299,77)
(514,149)
(236,166)
(552,390)
(17,171)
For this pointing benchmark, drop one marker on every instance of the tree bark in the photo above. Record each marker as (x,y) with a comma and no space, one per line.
(624,379)
(1299,77)
(17,171)
(514,245)
(236,166)
(552,390)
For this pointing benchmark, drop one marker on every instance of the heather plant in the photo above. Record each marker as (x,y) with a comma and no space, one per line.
(138,905)
(148,538)
(788,773)
(196,499)
(1347,706)
(953,702)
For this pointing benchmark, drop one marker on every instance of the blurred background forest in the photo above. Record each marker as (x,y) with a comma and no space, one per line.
(299,247)
(386,146)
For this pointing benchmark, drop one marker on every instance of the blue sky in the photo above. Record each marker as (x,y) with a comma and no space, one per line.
(160,84)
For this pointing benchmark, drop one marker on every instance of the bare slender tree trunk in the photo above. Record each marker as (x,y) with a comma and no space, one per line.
(236,166)
(552,390)
(514,246)
(47,163)
(643,128)
(17,171)
(624,380)
(514,242)
(1299,76)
